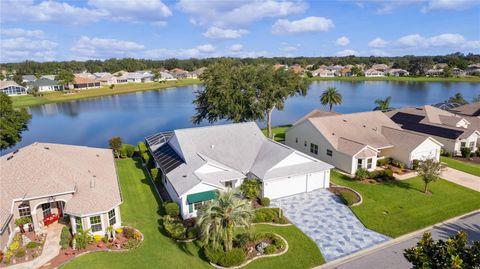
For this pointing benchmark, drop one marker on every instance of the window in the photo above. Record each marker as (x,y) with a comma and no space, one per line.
(198,205)
(229,184)
(47,210)
(472,145)
(24,210)
(305,143)
(462,145)
(78,223)
(111,217)
(369,163)
(313,148)
(296,139)
(359,163)
(95,223)
(329,152)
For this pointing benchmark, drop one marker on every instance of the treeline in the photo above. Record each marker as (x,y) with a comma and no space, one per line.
(409,62)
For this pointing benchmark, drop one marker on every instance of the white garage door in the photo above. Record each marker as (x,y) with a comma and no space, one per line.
(424,155)
(285,187)
(317,181)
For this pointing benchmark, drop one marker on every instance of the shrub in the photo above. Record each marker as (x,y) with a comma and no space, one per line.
(123,152)
(231,258)
(20,253)
(119,231)
(415,164)
(265,201)
(172,209)
(145,157)
(154,173)
(250,188)
(268,215)
(242,239)
(383,162)
(383,175)
(192,233)
(348,197)
(257,237)
(362,174)
(478,153)
(398,164)
(129,150)
(65,238)
(270,249)
(142,148)
(279,243)
(97,238)
(32,245)
(131,244)
(128,232)
(174,227)
(466,152)
(14,246)
(23,221)
(448,154)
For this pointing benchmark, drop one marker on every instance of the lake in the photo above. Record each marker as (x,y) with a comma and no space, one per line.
(135,115)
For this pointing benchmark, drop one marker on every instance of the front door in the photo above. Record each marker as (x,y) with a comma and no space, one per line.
(47,210)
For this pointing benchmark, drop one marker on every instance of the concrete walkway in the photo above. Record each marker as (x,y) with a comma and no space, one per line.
(323,217)
(462,178)
(51,248)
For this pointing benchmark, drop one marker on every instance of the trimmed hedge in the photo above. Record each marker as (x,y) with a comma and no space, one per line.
(129,150)
(141,147)
(265,201)
(231,258)
(174,227)
(65,238)
(154,173)
(172,209)
(348,197)
(383,162)
(362,174)
(269,215)
(466,152)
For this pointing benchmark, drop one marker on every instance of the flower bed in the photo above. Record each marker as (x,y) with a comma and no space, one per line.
(25,247)
(247,248)
(125,239)
(349,196)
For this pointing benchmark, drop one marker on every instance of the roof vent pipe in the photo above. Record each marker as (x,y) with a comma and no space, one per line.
(92,183)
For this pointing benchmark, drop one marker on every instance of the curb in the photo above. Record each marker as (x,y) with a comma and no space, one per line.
(392,242)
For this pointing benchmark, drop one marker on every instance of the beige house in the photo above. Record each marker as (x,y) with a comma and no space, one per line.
(358,140)
(46,180)
(453,131)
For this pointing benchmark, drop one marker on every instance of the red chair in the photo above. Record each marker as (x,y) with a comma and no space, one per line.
(50,219)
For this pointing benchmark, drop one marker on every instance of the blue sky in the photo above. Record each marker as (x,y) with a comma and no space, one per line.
(159,29)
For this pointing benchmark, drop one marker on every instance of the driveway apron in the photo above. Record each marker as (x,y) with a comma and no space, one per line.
(322,216)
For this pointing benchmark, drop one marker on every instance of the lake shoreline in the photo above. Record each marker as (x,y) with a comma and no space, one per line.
(58,97)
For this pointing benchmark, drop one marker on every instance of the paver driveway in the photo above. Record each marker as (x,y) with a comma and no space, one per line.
(322,216)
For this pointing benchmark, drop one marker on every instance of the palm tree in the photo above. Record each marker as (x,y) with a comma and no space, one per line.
(383,104)
(331,97)
(218,218)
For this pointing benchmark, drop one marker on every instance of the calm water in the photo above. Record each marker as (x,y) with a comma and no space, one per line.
(133,116)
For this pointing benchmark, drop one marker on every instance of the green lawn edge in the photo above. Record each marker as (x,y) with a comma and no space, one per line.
(141,209)
(470,168)
(400,207)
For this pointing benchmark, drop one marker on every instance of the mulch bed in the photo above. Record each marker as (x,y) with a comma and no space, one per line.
(474,160)
(30,254)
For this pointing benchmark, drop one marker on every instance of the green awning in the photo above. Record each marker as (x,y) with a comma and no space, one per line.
(201,196)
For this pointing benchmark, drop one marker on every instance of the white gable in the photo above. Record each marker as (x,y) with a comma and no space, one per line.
(210,168)
(293,159)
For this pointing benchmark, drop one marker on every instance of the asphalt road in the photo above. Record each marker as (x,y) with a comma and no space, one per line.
(391,257)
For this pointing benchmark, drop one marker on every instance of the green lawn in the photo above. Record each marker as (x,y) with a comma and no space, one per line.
(141,209)
(278,132)
(55,97)
(470,168)
(401,207)
(405,79)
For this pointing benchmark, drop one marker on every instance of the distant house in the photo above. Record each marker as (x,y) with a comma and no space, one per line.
(374,73)
(45,181)
(334,67)
(133,77)
(280,66)
(106,78)
(179,73)
(473,69)
(165,76)
(46,85)
(323,73)
(458,72)
(380,67)
(353,141)
(296,68)
(11,88)
(434,72)
(453,131)
(471,110)
(198,163)
(82,83)
(29,78)
(51,77)
(198,72)
(395,72)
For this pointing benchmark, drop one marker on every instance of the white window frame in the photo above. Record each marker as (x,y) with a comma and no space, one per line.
(78,223)
(24,210)
(359,163)
(110,218)
(92,225)
(369,163)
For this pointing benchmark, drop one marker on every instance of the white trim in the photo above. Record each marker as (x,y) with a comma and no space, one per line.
(92,214)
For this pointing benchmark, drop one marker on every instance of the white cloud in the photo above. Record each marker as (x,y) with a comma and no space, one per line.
(19,43)
(414,40)
(377,43)
(377,52)
(288,48)
(442,40)
(449,5)
(206,48)
(49,11)
(200,51)
(343,41)
(447,40)
(347,52)
(219,33)
(236,47)
(102,48)
(132,10)
(22,48)
(228,13)
(308,24)
(16,32)
(159,23)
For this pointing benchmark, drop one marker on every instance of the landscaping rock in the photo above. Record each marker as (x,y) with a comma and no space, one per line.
(25,240)
(261,247)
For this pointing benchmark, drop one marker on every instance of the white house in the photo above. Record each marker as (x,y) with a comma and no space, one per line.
(11,88)
(44,181)
(453,131)
(358,140)
(164,76)
(395,72)
(196,163)
(323,73)
(46,85)
(374,73)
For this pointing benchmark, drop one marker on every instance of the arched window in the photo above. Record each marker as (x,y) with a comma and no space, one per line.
(24,210)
